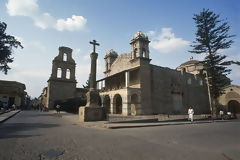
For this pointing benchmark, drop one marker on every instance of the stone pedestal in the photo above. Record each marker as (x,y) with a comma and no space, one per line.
(92,111)
(87,114)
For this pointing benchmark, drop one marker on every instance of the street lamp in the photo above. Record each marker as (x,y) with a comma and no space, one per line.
(209,93)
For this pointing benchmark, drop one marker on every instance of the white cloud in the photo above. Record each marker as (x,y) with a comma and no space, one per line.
(151,33)
(71,24)
(166,42)
(22,8)
(30,8)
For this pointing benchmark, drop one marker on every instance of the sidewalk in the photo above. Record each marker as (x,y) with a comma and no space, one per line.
(7,115)
(108,125)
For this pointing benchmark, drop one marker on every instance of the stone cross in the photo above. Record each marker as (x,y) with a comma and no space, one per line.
(94,43)
(93,56)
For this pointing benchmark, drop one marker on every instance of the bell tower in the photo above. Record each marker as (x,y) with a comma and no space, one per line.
(62,82)
(140,46)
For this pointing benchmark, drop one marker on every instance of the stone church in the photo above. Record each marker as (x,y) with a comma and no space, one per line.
(134,86)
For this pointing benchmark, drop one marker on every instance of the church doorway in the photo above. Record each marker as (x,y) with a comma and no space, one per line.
(117,103)
(234,107)
(134,101)
(106,104)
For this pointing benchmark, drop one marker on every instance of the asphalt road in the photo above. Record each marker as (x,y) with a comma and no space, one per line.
(35,135)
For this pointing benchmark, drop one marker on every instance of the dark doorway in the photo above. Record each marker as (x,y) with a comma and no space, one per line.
(234,107)
(118,103)
(11,101)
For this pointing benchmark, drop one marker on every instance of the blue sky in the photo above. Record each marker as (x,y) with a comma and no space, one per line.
(44,25)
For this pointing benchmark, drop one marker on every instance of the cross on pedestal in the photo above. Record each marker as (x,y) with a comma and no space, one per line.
(94,43)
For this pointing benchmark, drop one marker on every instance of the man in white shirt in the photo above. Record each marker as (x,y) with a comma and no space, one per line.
(190,113)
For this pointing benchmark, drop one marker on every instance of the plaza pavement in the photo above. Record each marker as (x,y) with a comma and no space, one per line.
(116,125)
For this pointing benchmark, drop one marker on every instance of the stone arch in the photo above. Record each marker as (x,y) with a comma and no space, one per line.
(134,103)
(232,94)
(64,56)
(59,72)
(234,107)
(106,104)
(117,103)
(68,74)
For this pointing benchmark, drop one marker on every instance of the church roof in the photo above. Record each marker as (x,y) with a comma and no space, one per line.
(190,62)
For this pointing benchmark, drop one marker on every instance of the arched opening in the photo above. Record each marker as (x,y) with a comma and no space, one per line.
(134,102)
(144,53)
(68,72)
(234,107)
(65,57)
(117,103)
(135,53)
(59,73)
(189,81)
(106,104)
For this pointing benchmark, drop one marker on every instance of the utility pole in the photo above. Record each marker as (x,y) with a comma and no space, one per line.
(209,93)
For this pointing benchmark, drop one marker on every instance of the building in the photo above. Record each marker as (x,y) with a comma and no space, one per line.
(192,66)
(133,86)
(230,100)
(62,82)
(12,92)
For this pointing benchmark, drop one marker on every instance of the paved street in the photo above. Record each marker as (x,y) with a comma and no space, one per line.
(35,135)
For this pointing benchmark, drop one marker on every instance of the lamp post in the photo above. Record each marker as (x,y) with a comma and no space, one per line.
(209,93)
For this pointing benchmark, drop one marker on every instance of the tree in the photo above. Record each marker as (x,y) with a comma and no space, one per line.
(7,43)
(87,83)
(211,37)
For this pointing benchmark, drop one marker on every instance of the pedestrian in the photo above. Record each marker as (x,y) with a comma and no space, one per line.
(58,108)
(14,106)
(221,113)
(190,113)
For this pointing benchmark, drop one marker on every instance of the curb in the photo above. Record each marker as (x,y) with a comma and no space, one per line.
(10,116)
(162,124)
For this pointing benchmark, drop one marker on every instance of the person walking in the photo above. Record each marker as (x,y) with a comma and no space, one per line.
(14,106)
(190,113)
(58,108)
(221,113)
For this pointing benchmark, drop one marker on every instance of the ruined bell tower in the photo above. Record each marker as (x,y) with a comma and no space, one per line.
(140,46)
(62,82)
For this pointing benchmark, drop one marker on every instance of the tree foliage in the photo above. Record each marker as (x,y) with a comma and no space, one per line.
(87,85)
(7,43)
(212,35)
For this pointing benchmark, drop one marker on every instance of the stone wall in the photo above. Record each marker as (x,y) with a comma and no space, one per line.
(173,92)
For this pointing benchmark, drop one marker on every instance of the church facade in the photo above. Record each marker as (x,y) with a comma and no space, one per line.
(62,82)
(133,86)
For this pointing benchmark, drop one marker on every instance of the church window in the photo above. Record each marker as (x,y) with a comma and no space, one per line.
(135,53)
(65,57)
(189,81)
(59,73)
(68,74)
(144,52)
